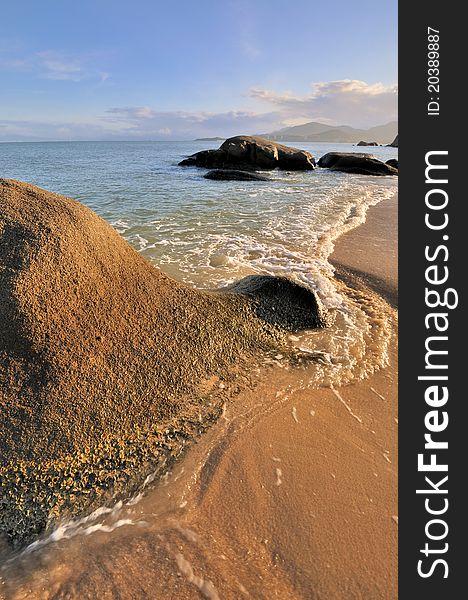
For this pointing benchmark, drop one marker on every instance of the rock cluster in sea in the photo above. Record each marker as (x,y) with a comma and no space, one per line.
(251,152)
(238,157)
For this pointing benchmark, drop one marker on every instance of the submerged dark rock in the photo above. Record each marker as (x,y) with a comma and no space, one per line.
(360,164)
(250,152)
(282,302)
(393,162)
(363,143)
(234,175)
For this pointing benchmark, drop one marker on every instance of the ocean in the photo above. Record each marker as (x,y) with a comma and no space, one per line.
(206,233)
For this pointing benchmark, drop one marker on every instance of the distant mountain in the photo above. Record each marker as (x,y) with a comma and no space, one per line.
(319,132)
(210,139)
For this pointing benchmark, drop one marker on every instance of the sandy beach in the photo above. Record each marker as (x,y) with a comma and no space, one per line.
(291,495)
(304,502)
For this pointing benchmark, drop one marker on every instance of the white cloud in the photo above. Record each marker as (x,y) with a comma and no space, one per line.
(347,101)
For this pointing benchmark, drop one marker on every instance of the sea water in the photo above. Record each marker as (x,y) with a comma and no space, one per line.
(206,233)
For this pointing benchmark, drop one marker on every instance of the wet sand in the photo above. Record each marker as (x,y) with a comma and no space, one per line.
(291,495)
(309,491)
(370,252)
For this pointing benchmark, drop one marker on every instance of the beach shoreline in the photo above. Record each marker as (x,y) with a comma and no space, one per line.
(370,251)
(312,488)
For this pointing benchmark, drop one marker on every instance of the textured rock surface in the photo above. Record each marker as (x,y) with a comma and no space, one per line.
(329,159)
(358,163)
(105,362)
(279,300)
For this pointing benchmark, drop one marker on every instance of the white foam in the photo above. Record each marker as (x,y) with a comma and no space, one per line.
(204,586)
(279,475)
(83,526)
(376,393)
(346,405)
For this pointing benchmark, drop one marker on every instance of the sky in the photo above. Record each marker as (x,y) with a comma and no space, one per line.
(177,70)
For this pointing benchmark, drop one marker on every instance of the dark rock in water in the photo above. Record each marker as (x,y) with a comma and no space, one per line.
(394,144)
(234,175)
(249,152)
(204,158)
(282,302)
(331,158)
(104,360)
(393,162)
(362,143)
(360,164)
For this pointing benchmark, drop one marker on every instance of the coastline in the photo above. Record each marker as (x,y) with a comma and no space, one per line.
(289,495)
(369,253)
(311,488)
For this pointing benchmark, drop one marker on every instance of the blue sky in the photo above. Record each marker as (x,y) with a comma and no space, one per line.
(102,69)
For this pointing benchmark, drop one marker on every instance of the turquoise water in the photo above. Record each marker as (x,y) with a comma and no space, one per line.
(207,233)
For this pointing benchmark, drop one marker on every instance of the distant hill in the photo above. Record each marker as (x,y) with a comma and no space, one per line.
(319,132)
(210,139)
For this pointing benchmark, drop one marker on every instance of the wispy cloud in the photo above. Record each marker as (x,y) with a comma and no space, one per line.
(36,130)
(143,121)
(246,38)
(53,65)
(56,66)
(140,123)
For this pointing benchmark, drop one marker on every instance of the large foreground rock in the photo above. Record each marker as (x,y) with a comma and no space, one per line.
(105,362)
(248,152)
(358,163)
